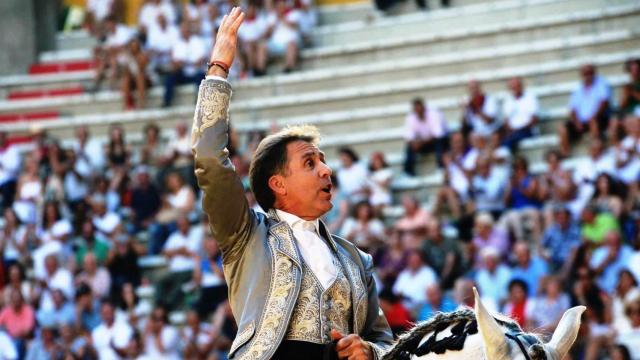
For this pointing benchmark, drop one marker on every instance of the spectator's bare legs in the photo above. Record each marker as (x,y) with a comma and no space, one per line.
(261,59)
(127,98)
(291,57)
(141,88)
(564,140)
(448,197)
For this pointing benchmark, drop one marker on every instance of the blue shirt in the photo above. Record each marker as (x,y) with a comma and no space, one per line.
(609,277)
(585,101)
(427,310)
(65,315)
(532,274)
(559,243)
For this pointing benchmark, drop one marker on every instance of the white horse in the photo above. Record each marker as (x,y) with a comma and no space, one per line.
(471,335)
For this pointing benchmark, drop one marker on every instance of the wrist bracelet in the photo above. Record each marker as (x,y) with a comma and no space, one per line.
(219,64)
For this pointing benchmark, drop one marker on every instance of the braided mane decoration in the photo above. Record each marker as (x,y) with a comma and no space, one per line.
(490,337)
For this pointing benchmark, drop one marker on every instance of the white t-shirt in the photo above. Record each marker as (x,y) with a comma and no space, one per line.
(586,101)
(180,262)
(433,126)
(149,13)
(8,350)
(283,33)
(162,40)
(179,200)
(414,286)
(306,20)
(99,8)
(380,195)
(170,340)
(120,332)
(191,52)
(253,30)
(353,180)
(120,37)
(61,280)
(9,164)
(519,112)
(479,126)
(374,227)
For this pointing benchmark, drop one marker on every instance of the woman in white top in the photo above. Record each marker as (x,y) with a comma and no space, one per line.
(362,228)
(29,192)
(626,290)
(12,238)
(379,182)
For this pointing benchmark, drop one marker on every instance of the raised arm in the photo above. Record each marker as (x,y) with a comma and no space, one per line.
(224,201)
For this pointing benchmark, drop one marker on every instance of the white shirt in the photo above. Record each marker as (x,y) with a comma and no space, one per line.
(120,37)
(585,101)
(353,180)
(191,52)
(433,126)
(90,156)
(7,349)
(253,30)
(170,340)
(414,285)
(380,195)
(9,164)
(120,332)
(100,8)
(315,251)
(149,14)
(180,262)
(519,112)
(60,280)
(162,40)
(479,126)
(283,33)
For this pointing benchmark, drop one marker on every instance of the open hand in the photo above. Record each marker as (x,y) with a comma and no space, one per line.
(351,347)
(224,49)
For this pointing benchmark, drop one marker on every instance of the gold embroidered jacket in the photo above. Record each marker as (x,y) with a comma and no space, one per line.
(261,261)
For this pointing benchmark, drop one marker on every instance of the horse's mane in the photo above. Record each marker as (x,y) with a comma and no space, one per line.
(409,342)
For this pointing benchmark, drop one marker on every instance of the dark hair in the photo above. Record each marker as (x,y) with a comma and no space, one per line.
(382,159)
(151,126)
(417,101)
(349,152)
(624,352)
(356,208)
(517,282)
(270,158)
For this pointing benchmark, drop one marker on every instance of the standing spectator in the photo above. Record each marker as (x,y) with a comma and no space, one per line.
(412,282)
(492,278)
(18,319)
(9,167)
(161,340)
(363,228)
(180,251)
(516,306)
(208,275)
(561,238)
(480,112)
(352,176)
(29,192)
(425,132)
(283,39)
(443,254)
(520,113)
(589,109)
(412,226)
(112,336)
(547,308)
(528,267)
(137,75)
(379,182)
(609,259)
(188,57)
(436,302)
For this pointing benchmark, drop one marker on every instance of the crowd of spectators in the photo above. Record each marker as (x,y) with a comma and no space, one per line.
(171,42)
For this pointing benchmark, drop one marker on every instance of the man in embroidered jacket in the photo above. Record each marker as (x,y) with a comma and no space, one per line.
(293,287)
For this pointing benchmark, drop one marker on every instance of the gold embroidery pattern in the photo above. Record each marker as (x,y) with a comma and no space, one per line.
(316,309)
(213,103)
(275,308)
(359,293)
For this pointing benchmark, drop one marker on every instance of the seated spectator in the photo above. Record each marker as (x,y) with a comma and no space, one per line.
(89,151)
(97,12)
(188,58)
(352,176)
(487,234)
(630,94)
(283,39)
(44,346)
(627,150)
(561,238)
(363,229)
(596,225)
(112,336)
(61,310)
(631,337)
(107,55)
(152,152)
(528,267)
(160,39)
(392,260)
(608,195)
(87,309)
(479,148)
(178,201)
(413,281)
(488,187)
(589,109)
(250,34)
(455,192)
(9,170)
(516,305)
(425,132)
(379,182)
(626,291)
(556,186)
(442,254)
(29,192)
(609,259)
(16,281)
(463,293)
(436,302)
(54,277)
(149,15)
(72,343)
(397,315)
(18,318)
(307,18)
(145,199)
(137,75)
(13,236)
(412,226)
(122,263)
(195,337)
(118,152)
(105,222)
(179,154)
(546,309)
(180,251)
(523,199)
(161,340)
(89,243)
(96,277)
(520,114)
(480,112)
(492,278)
(208,275)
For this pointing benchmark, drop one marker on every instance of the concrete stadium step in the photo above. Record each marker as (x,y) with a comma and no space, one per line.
(341,13)
(443,20)
(549,26)
(71,40)
(533,52)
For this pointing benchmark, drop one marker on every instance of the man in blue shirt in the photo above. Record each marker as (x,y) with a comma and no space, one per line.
(561,238)
(528,268)
(436,302)
(609,259)
(589,108)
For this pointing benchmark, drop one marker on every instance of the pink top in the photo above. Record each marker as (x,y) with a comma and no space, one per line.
(17,323)
(433,126)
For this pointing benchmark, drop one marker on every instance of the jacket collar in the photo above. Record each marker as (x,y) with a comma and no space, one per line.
(321,227)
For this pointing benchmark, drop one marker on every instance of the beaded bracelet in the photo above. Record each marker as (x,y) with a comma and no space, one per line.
(219,64)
